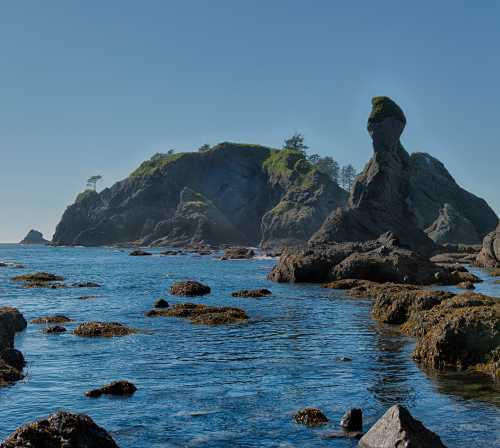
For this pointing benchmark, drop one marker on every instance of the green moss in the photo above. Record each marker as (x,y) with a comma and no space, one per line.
(291,166)
(156,163)
(382,108)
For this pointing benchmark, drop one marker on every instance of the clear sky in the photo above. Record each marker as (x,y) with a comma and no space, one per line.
(95,87)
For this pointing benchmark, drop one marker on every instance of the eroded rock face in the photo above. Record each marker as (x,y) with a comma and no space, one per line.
(378,201)
(217,196)
(34,237)
(447,212)
(397,429)
(490,253)
(62,429)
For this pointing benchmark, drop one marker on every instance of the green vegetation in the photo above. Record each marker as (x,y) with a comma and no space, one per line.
(291,165)
(382,108)
(156,163)
(84,195)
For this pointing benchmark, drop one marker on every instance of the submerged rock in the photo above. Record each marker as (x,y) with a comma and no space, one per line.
(310,417)
(161,303)
(62,429)
(238,253)
(34,237)
(38,277)
(189,288)
(262,292)
(85,285)
(121,388)
(397,428)
(54,319)
(103,329)
(139,253)
(202,314)
(54,329)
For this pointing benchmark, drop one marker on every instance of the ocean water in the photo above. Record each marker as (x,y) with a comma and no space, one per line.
(225,386)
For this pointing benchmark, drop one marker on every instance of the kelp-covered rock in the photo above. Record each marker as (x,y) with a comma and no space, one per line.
(490,252)
(216,196)
(262,292)
(118,388)
(202,314)
(310,417)
(34,237)
(62,429)
(189,288)
(103,329)
(379,198)
(54,319)
(397,429)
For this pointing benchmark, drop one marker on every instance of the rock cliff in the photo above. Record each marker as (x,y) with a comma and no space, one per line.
(490,252)
(233,193)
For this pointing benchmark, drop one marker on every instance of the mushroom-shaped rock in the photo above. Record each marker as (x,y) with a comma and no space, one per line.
(119,388)
(310,417)
(62,429)
(103,329)
(189,288)
(397,428)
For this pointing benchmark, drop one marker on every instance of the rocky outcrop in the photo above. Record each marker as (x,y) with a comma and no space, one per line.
(62,429)
(381,260)
(189,288)
(34,237)
(254,293)
(397,428)
(379,199)
(489,256)
(202,314)
(453,228)
(11,360)
(238,253)
(103,329)
(310,417)
(117,388)
(447,212)
(217,196)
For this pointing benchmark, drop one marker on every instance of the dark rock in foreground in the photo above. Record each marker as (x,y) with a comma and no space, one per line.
(189,288)
(263,292)
(34,237)
(103,329)
(489,256)
(202,314)
(11,360)
(238,253)
(397,429)
(62,429)
(120,388)
(352,420)
(310,417)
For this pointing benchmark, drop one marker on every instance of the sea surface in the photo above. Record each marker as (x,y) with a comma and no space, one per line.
(224,386)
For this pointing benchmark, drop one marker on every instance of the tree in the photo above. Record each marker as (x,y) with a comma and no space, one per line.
(204,148)
(330,167)
(314,158)
(92,181)
(347,177)
(170,152)
(296,141)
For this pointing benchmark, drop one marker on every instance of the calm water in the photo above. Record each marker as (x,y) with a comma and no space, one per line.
(227,386)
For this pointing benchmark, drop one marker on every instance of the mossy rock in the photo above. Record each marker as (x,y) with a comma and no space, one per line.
(383,107)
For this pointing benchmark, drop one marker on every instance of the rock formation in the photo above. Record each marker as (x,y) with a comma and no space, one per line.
(447,212)
(379,199)
(34,237)
(397,428)
(58,430)
(490,253)
(11,360)
(233,193)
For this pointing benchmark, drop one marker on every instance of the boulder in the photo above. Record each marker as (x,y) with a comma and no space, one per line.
(310,417)
(238,253)
(119,388)
(38,277)
(161,303)
(62,429)
(489,256)
(379,198)
(202,314)
(397,429)
(54,329)
(139,253)
(262,292)
(34,237)
(103,329)
(352,420)
(11,360)
(189,288)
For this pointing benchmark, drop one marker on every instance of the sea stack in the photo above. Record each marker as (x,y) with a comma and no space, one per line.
(34,237)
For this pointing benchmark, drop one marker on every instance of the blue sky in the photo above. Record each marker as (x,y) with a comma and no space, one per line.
(95,87)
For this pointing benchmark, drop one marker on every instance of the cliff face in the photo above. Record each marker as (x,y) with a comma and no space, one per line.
(449,213)
(490,253)
(217,196)
(378,202)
